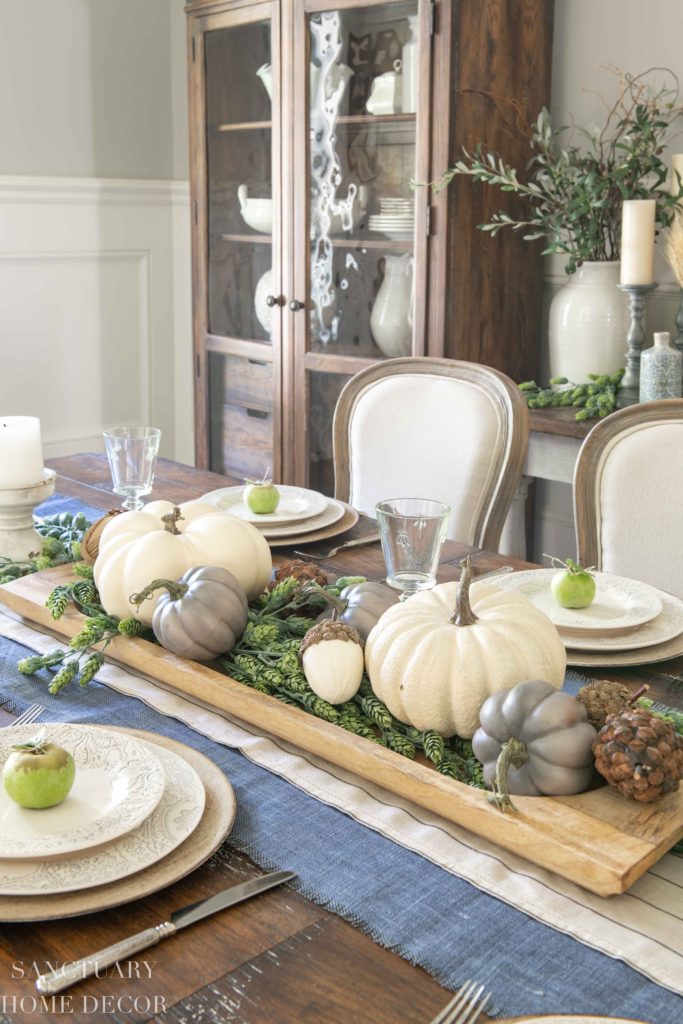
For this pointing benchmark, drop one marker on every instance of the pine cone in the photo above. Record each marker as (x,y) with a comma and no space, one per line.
(90,544)
(304,572)
(639,754)
(602,698)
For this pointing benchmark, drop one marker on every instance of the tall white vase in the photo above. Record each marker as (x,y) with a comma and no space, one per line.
(588,323)
(391,320)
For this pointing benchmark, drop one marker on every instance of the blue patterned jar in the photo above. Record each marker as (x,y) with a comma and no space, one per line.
(661,370)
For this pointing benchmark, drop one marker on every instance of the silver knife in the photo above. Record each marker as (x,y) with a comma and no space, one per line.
(56,981)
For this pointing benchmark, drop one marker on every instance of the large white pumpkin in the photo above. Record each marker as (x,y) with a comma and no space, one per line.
(434,674)
(138,547)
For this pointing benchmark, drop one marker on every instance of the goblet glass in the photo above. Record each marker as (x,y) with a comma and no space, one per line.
(412,532)
(132,454)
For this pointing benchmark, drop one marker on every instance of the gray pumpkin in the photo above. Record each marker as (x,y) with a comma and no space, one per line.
(202,614)
(360,605)
(541,736)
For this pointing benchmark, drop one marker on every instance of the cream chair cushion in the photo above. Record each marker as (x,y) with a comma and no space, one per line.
(425,436)
(639,491)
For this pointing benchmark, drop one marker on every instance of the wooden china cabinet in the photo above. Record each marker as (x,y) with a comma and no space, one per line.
(313,254)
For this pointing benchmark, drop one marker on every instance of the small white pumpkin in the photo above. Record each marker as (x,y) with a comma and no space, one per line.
(434,669)
(332,658)
(164,541)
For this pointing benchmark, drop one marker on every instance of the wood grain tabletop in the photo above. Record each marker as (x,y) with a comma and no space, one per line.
(278,959)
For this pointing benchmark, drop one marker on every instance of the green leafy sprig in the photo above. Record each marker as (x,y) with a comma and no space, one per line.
(80,661)
(576,179)
(594,399)
(61,543)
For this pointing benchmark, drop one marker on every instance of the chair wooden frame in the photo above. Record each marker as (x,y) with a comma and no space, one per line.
(590,462)
(509,458)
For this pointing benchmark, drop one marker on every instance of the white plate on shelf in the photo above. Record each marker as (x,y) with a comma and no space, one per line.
(174,818)
(296,504)
(619,605)
(332,514)
(119,781)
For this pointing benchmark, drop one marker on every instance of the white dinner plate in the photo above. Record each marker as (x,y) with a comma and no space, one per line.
(619,605)
(174,818)
(332,514)
(119,781)
(296,504)
(555,1018)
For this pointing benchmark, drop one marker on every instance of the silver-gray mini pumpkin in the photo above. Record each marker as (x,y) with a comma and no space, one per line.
(202,614)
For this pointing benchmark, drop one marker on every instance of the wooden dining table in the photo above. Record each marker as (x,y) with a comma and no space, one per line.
(279,959)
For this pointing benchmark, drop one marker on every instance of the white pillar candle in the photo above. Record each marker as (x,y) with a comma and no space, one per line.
(637,241)
(676,165)
(21,452)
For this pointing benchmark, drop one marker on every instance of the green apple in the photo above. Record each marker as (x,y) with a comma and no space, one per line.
(38,774)
(573,587)
(261,496)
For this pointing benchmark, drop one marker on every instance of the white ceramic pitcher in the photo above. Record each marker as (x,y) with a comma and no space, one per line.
(391,320)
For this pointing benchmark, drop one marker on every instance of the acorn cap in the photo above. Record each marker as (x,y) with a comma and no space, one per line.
(602,698)
(328,630)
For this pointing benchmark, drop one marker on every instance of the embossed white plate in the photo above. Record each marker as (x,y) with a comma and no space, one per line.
(296,503)
(619,605)
(581,1018)
(332,514)
(119,781)
(174,818)
(667,625)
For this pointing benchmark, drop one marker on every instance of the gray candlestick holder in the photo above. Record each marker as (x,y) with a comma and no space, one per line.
(678,340)
(19,538)
(629,393)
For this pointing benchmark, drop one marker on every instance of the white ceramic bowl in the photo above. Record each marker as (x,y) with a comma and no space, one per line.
(258,214)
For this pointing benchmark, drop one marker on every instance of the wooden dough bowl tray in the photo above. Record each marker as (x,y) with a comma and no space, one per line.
(599,840)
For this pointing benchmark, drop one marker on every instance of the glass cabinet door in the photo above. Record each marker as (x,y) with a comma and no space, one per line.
(241,257)
(367,225)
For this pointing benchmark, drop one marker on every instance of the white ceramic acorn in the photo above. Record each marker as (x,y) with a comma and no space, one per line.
(332,658)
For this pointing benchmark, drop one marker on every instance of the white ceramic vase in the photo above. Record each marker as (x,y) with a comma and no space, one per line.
(391,320)
(588,323)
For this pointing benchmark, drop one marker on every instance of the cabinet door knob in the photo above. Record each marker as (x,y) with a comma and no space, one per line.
(295,305)
(275,300)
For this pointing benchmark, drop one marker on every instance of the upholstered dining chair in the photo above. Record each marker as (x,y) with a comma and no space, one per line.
(628,492)
(444,429)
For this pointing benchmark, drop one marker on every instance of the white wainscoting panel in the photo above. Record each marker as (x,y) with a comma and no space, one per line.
(95,309)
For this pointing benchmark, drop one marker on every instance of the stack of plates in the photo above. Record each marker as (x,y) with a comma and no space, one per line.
(302,516)
(628,622)
(396,218)
(142,813)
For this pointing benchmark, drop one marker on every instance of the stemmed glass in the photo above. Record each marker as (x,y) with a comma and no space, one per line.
(412,532)
(132,454)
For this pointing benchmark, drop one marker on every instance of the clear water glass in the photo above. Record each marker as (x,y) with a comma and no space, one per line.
(132,454)
(412,532)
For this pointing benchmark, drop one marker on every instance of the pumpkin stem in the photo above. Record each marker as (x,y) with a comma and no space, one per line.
(463,614)
(175,588)
(171,519)
(513,754)
(338,604)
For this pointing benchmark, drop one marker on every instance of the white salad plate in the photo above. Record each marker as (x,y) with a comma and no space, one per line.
(667,625)
(174,818)
(296,504)
(619,605)
(119,781)
(333,512)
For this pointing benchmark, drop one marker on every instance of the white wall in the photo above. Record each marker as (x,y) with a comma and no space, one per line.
(589,36)
(95,311)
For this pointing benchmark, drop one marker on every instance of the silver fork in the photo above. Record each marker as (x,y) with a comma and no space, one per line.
(465,1007)
(28,716)
(369,539)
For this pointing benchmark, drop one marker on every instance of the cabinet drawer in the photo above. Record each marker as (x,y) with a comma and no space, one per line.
(246,381)
(243,441)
